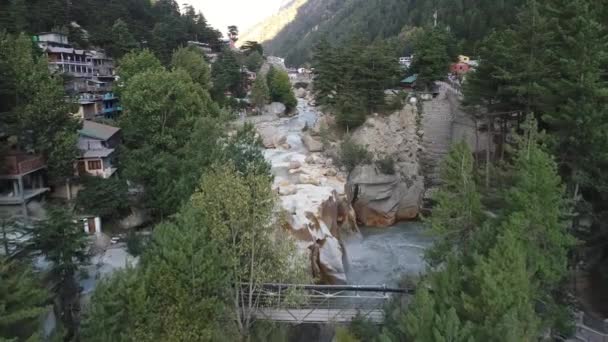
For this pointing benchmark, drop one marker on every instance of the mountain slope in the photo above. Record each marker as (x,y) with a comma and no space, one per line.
(271,26)
(468,20)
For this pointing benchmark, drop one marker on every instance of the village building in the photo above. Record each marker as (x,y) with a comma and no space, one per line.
(97,144)
(92,75)
(23,178)
(460,68)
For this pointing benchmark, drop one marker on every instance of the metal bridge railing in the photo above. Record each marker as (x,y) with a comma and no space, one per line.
(322,303)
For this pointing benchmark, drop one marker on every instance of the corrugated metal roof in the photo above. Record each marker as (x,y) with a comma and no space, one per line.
(100,153)
(98,131)
(410,79)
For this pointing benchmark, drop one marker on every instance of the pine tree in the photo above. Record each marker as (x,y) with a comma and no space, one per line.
(535,204)
(22,302)
(62,242)
(326,72)
(260,94)
(38,114)
(459,212)
(500,300)
(122,40)
(431,59)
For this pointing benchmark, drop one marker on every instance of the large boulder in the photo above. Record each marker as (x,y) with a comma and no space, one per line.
(271,136)
(381,200)
(312,144)
(301,93)
(275,108)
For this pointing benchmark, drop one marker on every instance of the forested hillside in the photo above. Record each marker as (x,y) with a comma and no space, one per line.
(469,22)
(157,25)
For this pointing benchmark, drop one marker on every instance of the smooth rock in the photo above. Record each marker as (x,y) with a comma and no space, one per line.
(287,190)
(294,164)
(301,93)
(311,143)
(308,179)
(275,108)
(331,172)
(381,200)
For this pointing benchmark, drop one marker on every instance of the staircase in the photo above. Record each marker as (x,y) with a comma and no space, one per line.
(437,121)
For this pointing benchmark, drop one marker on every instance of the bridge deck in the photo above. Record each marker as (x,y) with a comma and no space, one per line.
(318,315)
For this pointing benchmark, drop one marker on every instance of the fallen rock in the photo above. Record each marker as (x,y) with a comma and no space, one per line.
(311,143)
(308,179)
(301,93)
(294,164)
(287,190)
(275,108)
(331,172)
(381,200)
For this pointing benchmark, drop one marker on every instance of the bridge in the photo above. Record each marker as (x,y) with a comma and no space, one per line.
(322,303)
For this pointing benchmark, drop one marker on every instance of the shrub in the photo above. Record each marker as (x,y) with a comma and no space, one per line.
(386,165)
(352,154)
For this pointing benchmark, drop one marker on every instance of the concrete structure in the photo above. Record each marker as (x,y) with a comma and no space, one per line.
(23,179)
(97,143)
(406,62)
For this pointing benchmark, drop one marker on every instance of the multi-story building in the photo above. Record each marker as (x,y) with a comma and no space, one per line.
(22,179)
(91,71)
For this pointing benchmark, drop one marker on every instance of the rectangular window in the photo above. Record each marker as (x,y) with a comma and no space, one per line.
(94,164)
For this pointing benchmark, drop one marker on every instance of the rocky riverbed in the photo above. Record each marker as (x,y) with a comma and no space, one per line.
(316,195)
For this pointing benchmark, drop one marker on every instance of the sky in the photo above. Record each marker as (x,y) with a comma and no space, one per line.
(242,13)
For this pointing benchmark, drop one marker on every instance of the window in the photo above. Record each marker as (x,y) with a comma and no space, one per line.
(94,164)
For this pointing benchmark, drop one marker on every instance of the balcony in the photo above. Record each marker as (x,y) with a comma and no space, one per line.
(22,164)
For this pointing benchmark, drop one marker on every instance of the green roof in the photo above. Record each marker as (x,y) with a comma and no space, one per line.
(410,79)
(97,130)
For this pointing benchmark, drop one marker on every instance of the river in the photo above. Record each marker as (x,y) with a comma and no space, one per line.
(378,255)
(382,256)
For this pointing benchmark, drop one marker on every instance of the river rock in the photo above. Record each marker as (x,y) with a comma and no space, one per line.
(294,164)
(309,179)
(301,93)
(311,143)
(381,200)
(287,190)
(275,108)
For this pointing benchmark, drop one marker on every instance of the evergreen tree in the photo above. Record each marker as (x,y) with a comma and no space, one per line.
(250,47)
(459,212)
(106,198)
(431,58)
(193,62)
(489,85)
(136,62)
(38,113)
(500,300)
(226,74)
(22,302)
(535,205)
(61,240)
(161,109)
(260,94)
(122,40)
(254,61)
(280,88)
(326,72)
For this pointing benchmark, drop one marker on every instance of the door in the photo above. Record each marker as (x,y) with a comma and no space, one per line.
(91,223)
